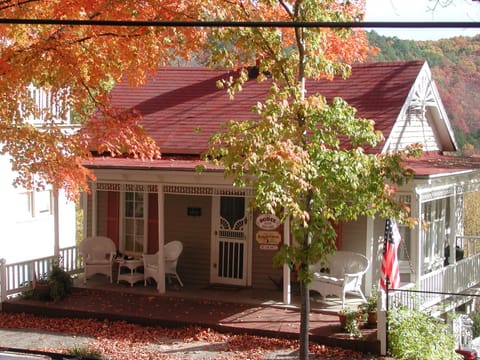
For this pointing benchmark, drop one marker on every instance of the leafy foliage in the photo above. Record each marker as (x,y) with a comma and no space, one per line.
(475,316)
(415,335)
(455,66)
(294,151)
(60,282)
(77,67)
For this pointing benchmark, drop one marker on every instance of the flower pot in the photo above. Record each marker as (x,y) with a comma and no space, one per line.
(42,291)
(372,318)
(343,320)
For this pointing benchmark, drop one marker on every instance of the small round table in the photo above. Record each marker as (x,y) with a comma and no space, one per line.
(132,275)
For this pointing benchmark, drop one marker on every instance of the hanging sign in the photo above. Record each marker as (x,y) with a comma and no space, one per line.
(267,222)
(268,239)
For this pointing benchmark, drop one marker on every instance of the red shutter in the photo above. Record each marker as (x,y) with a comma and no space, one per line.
(113,216)
(152,246)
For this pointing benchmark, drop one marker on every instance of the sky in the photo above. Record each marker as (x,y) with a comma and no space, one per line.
(418,10)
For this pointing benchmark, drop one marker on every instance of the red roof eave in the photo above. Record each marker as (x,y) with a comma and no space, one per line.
(437,164)
(138,164)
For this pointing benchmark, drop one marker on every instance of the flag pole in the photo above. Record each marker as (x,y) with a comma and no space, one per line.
(387,285)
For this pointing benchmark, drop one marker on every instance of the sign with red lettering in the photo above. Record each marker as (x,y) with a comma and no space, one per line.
(267,222)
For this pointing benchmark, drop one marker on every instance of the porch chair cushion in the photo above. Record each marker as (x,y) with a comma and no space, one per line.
(97,253)
(172,252)
(341,272)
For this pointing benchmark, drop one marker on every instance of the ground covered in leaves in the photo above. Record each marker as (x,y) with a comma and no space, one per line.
(121,340)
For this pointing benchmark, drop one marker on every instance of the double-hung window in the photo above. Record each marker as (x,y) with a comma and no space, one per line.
(134,223)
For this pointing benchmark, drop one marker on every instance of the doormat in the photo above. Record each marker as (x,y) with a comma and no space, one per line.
(224,287)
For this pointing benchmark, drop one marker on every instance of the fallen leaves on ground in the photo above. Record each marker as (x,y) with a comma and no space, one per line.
(122,340)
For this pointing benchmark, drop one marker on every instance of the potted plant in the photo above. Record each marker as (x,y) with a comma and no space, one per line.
(350,321)
(60,283)
(371,308)
(41,287)
(52,286)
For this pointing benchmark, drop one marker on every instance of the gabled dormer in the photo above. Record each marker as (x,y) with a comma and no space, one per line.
(423,119)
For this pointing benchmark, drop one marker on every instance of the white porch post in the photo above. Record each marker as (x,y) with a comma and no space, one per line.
(418,264)
(287,298)
(452,235)
(94,209)
(56,223)
(382,322)
(369,253)
(84,206)
(161,240)
(3,281)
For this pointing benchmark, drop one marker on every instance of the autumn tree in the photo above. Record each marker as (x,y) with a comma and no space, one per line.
(305,157)
(76,66)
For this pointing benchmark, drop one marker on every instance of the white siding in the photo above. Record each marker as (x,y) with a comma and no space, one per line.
(27,223)
(413,127)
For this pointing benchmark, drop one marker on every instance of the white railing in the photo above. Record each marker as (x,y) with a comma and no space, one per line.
(451,279)
(49,104)
(18,277)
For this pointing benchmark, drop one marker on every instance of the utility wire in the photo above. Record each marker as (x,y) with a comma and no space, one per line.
(252,24)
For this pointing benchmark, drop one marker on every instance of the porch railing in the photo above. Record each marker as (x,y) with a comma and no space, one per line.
(453,278)
(18,277)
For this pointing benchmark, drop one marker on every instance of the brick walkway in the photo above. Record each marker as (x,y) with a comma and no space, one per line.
(224,316)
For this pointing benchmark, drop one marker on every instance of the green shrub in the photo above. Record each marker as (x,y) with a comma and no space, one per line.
(475,316)
(416,335)
(85,353)
(60,283)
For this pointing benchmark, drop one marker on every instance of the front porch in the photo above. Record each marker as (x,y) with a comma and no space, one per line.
(223,310)
(454,278)
(18,277)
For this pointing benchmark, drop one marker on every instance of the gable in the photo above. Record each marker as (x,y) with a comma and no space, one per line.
(422,119)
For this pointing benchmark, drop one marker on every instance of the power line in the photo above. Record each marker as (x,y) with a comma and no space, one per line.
(253,24)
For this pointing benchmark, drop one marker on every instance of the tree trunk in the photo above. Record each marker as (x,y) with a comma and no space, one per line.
(304,320)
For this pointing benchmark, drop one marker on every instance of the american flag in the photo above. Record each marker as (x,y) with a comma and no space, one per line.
(390,269)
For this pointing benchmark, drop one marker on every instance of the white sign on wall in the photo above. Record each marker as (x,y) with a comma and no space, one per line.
(267,222)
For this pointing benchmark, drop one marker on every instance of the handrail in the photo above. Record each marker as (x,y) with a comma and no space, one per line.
(454,278)
(18,277)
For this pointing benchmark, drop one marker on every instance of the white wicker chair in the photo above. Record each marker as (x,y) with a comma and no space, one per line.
(342,273)
(172,251)
(98,253)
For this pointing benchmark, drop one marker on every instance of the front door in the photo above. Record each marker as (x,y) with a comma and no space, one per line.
(229,241)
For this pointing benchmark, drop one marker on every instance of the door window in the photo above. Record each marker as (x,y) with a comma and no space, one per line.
(134,223)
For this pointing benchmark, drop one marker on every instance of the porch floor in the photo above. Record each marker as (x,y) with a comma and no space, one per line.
(226,309)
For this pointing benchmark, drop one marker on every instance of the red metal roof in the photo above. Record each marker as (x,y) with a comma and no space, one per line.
(178,102)
(433,164)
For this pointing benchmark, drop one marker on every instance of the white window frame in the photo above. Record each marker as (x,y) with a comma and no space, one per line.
(42,203)
(140,239)
(434,220)
(404,251)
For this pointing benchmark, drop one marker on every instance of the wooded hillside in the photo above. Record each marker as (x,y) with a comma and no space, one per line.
(455,66)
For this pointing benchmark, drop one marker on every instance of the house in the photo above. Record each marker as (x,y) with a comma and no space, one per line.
(35,224)
(143,204)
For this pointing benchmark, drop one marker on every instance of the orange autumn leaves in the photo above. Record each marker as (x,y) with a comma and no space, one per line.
(89,60)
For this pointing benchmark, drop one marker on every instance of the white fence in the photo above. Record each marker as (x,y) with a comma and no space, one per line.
(18,277)
(454,278)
